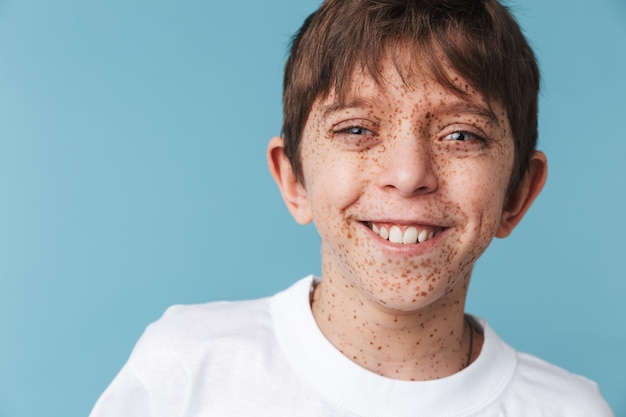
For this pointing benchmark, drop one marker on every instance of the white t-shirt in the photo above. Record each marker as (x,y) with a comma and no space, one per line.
(267,357)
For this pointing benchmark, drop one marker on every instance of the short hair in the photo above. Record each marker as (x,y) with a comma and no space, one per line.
(480,39)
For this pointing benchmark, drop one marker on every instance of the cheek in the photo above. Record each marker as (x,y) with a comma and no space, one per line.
(333,181)
(481,189)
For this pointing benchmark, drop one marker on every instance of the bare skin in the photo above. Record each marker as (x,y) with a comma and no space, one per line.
(397,164)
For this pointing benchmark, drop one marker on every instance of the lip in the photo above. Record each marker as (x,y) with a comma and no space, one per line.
(411,249)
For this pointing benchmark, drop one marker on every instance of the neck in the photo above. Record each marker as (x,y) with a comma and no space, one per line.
(427,343)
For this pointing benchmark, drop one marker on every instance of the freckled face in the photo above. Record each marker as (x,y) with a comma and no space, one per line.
(398,164)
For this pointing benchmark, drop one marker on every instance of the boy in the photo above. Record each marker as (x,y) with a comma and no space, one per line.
(409,140)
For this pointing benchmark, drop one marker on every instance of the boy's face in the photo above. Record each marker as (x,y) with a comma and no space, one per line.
(401,163)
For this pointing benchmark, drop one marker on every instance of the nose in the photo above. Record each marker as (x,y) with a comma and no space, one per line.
(408,167)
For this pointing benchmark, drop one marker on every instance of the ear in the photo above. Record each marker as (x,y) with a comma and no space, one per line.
(520,200)
(293,192)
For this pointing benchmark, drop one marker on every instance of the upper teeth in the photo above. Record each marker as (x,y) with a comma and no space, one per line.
(395,235)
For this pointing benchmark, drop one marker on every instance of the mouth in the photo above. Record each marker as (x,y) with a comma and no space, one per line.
(404,234)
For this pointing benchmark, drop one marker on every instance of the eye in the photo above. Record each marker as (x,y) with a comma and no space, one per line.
(353,135)
(462,136)
(357,130)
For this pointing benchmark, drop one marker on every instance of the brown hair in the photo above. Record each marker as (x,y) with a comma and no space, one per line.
(479,38)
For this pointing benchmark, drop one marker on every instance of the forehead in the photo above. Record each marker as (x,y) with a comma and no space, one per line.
(401,83)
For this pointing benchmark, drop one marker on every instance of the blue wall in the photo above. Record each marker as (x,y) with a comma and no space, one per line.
(133,177)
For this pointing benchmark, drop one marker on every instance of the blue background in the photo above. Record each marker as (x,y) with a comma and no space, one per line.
(133,177)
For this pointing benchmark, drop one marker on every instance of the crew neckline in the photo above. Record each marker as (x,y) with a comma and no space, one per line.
(349,386)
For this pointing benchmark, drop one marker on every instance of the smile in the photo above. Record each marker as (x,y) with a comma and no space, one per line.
(406,235)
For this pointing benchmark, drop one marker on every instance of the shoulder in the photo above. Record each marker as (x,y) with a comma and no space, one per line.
(191,337)
(551,387)
(195,349)
(196,323)
(188,331)
(532,386)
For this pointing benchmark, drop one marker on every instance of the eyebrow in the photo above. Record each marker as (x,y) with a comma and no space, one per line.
(358,102)
(461,107)
(464,107)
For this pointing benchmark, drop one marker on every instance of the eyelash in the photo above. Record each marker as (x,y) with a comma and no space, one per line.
(359,130)
(471,135)
(351,130)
